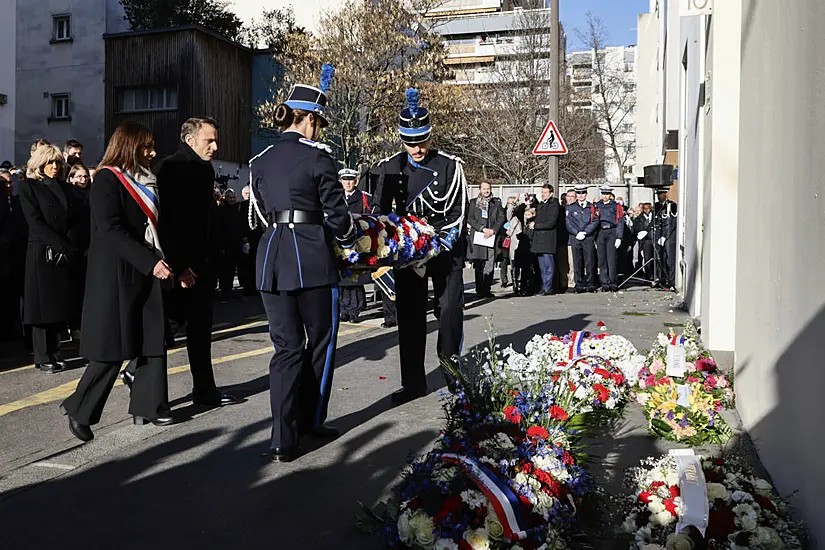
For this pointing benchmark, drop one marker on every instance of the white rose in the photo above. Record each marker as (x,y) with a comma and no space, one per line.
(763,488)
(445,544)
(405,530)
(662,518)
(748,523)
(717,491)
(478,539)
(652,547)
(655,505)
(424,529)
(672,478)
(494,527)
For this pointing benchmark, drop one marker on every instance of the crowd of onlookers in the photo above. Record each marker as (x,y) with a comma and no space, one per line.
(66,195)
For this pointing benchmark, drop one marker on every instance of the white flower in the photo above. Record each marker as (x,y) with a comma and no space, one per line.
(494,526)
(445,544)
(742,510)
(473,499)
(652,547)
(405,530)
(662,518)
(629,525)
(655,505)
(478,539)
(672,478)
(716,491)
(748,523)
(662,339)
(741,496)
(423,529)
(763,488)
(445,474)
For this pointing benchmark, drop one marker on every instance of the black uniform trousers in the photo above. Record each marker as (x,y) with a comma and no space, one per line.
(667,262)
(149,390)
(645,256)
(608,256)
(584,262)
(388,308)
(412,293)
(193,306)
(353,301)
(46,342)
(303,326)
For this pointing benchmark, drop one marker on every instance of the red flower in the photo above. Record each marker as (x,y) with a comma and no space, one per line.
(617,378)
(601,372)
(537,431)
(670,506)
(601,393)
(600,323)
(526,468)
(568,459)
(372,260)
(766,504)
(439,517)
(453,504)
(674,491)
(656,485)
(645,496)
(664,381)
(557,413)
(721,523)
(512,414)
(706,365)
(572,386)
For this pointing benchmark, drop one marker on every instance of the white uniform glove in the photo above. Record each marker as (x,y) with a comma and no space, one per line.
(662,241)
(580,236)
(245,248)
(641,235)
(618,243)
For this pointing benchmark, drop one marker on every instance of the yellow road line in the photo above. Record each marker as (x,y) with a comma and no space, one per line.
(65,390)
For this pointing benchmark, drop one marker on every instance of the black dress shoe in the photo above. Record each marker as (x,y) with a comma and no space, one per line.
(127,379)
(159,421)
(219,400)
(51,368)
(406,394)
(80,431)
(283,454)
(325,430)
(385,324)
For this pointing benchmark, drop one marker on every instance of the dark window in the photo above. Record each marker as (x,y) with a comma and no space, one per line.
(158,98)
(61,106)
(61,28)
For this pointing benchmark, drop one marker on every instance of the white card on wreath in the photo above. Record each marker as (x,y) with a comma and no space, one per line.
(683,392)
(675,360)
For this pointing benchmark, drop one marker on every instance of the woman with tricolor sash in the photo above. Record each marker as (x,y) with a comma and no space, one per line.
(123,315)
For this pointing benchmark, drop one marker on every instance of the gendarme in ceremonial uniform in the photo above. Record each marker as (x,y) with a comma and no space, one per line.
(436,192)
(295,192)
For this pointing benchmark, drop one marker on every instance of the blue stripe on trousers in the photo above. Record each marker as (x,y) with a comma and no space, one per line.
(329,367)
(266,257)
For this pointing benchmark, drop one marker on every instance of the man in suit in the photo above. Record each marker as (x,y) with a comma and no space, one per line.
(185,183)
(353,295)
(543,244)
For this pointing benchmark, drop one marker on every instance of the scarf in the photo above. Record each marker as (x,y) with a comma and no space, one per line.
(483,202)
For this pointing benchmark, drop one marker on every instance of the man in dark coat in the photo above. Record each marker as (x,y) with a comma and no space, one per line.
(543,243)
(185,184)
(485,217)
(353,295)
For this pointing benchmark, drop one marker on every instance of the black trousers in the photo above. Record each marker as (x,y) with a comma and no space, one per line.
(388,308)
(505,268)
(303,326)
(646,254)
(226,277)
(353,301)
(667,262)
(484,273)
(584,263)
(246,272)
(608,257)
(149,398)
(193,307)
(411,302)
(46,342)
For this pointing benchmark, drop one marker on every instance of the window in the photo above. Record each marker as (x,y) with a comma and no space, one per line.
(61,107)
(61,28)
(163,98)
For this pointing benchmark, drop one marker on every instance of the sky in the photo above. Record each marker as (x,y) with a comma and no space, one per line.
(618,15)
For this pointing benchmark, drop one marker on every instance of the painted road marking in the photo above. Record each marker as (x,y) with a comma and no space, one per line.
(65,390)
(54,466)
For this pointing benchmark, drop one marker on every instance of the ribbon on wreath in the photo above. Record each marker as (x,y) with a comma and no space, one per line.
(576,344)
(505,501)
(677,340)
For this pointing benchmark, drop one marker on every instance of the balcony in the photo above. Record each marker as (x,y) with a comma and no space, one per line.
(485,50)
(465,7)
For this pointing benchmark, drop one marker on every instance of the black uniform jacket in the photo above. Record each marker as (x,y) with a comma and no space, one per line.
(430,184)
(355,203)
(299,174)
(48,206)
(123,307)
(187,233)
(544,232)
(477,222)
(665,219)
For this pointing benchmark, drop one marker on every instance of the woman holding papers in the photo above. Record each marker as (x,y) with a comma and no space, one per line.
(486,219)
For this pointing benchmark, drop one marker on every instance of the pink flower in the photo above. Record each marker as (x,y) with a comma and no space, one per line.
(722,382)
(690,367)
(656,366)
(711,381)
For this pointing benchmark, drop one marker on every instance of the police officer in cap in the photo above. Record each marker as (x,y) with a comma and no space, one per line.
(437,192)
(664,220)
(353,293)
(611,231)
(582,222)
(296,194)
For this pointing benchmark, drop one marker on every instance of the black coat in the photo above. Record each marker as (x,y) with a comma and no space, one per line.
(544,232)
(355,204)
(123,309)
(495,221)
(48,206)
(299,174)
(188,234)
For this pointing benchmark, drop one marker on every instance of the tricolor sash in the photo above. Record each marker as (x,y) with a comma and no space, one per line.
(504,500)
(145,197)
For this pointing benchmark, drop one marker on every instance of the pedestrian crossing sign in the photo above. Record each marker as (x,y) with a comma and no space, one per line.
(550,142)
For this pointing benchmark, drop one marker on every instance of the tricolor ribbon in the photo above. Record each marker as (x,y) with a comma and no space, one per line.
(576,344)
(504,500)
(677,340)
(144,197)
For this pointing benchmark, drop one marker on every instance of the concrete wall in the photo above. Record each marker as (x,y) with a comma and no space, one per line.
(648,148)
(780,302)
(8,49)
(75,68)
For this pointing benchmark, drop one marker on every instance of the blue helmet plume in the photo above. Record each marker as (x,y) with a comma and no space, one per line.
(412,100)
(327,71)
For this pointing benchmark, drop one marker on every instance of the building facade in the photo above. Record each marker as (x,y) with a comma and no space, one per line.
(8,88)
(740,86)
(59,69)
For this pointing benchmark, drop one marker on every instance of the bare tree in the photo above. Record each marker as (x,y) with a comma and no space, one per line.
(614,97)
(584,164)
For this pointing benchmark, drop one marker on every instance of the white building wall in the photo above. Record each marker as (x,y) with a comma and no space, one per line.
(8,48)
(672,65)
(74,67)
(648,145)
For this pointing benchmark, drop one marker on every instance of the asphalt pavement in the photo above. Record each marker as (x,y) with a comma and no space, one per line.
(204,484)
